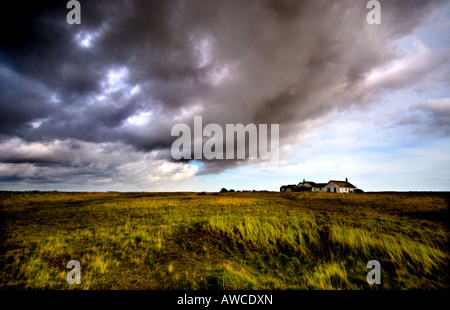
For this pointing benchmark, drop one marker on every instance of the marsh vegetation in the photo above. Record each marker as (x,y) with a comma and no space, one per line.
(241,240)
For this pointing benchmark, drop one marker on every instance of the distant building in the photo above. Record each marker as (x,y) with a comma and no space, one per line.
(319,187)
(288,188)
(306,186)
(333,186)
(339,187)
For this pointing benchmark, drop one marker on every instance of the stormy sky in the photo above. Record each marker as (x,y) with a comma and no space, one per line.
(91,106)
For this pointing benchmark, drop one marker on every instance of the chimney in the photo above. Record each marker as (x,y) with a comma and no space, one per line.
(346,180)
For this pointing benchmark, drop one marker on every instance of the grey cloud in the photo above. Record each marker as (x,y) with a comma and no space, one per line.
(437,113)
(267,62)
(22,100)
(86,164)
(430,117)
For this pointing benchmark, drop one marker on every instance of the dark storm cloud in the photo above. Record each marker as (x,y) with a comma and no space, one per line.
(271,62)
(22,100)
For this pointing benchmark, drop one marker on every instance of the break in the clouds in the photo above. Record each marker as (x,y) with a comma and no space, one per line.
(94,103)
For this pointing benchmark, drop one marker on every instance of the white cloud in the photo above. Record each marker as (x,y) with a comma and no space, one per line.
(186,114)
(106,165)
(204,52)
(86,39)
(441,105)
(140,118)
(417,64)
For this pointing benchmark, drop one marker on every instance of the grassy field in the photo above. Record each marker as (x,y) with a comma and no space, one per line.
(243,240)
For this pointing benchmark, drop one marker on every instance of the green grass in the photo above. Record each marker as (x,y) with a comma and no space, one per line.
(224,241)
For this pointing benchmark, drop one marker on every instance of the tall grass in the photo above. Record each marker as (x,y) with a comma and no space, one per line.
(223,241)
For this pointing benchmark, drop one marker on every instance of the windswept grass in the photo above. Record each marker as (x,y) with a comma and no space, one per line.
(223,241)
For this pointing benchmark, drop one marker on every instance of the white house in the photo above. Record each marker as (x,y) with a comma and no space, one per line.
(319,187)
(306,186)
(334,186)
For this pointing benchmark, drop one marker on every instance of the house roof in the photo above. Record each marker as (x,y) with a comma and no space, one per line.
(321,185)
(342,183)
(310,183)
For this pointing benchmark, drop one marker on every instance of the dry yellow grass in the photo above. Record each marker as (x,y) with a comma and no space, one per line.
(224,241)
